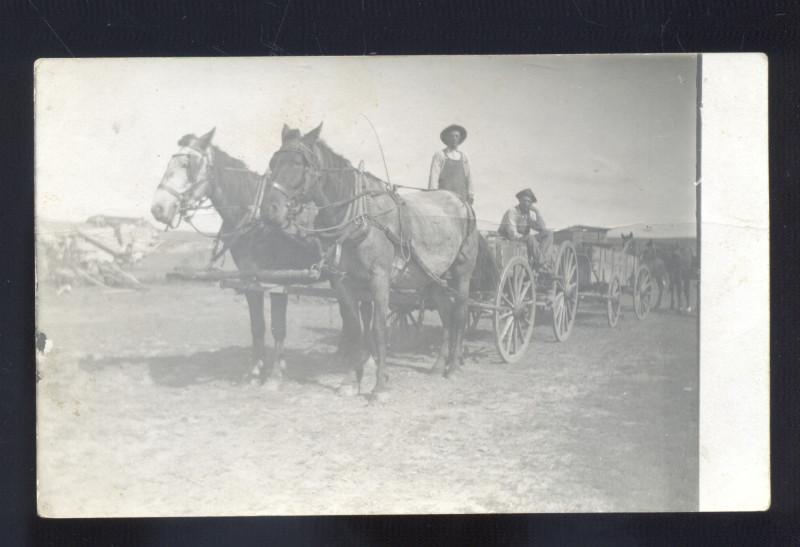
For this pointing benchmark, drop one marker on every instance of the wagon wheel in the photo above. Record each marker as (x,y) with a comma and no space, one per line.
(405,322)
(565,297)
(515,309)
(613,300)
(643,292)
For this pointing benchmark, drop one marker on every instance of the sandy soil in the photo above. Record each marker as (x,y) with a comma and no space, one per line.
(142,412)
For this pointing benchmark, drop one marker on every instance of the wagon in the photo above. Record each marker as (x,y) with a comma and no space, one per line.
(510,292)
(607,269)
(514,295)
(586,268)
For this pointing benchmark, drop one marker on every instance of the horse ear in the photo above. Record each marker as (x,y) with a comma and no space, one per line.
(285,132)
(205,140)
(312,136)
(186,140)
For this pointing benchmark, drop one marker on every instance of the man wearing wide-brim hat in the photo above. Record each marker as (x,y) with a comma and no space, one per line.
(450,167)
(524,222)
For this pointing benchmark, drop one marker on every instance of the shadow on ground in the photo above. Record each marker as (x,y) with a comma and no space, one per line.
(230,364)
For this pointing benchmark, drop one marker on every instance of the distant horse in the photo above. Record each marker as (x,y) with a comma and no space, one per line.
(656,260)
(381,239)
(681,266)
(200,170)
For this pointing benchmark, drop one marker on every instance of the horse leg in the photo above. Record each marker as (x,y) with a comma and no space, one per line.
(366,322)
(350,341)
(458,324)
(379,288)
(347,335)
(687,285)
(660,291)
(673,289)
(443,305)
(255,303)
(278,303)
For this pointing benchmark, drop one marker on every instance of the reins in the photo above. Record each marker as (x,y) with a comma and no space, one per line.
(356,213)
(187,209)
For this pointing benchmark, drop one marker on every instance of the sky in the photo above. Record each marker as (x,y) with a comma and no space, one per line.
(601,140)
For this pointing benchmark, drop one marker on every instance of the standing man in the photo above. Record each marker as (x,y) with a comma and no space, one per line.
(519,224)
(450,167)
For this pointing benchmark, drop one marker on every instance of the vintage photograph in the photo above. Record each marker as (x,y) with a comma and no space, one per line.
(375,285)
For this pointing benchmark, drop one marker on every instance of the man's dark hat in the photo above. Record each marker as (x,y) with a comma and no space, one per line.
(527,193)
(449,128)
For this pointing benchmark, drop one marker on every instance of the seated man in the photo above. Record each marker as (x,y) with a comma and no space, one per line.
(519,224)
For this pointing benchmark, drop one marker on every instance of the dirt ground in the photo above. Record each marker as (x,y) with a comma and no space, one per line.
(142,412)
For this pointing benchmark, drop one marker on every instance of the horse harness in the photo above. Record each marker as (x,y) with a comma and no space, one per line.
(352,230)
(223,240)
(184,196)
(355,226)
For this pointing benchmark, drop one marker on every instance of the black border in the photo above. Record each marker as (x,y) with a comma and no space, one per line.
(30,29)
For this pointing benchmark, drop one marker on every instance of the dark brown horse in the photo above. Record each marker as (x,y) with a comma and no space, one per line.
(681,265)
(381,241)
(200,170)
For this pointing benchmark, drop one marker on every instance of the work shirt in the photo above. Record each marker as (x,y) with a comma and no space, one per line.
(450,171)
(516,224)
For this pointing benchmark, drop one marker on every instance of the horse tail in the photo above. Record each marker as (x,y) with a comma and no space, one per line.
(486,274)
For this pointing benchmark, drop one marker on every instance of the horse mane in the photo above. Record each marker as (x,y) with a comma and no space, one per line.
(222,157)
(334,159)
(237,183)
(331,158)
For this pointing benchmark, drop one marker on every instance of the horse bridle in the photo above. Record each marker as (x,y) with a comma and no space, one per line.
(185,201)
(311,173)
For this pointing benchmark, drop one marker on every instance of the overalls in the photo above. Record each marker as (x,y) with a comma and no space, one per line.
(453,177)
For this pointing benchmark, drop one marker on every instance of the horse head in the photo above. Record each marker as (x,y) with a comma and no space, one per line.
(186,181)
(626,241)
(295,170)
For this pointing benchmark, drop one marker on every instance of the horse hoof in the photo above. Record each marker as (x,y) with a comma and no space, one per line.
(347,390)
(437,370)
(452,372)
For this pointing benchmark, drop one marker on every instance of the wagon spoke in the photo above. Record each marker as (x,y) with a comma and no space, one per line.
(558,310)
(506,314)
(570,270)
(571,288)
(510,338)
(507,325)
(526,289)
(520,334)
(512,287)
(518,272)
